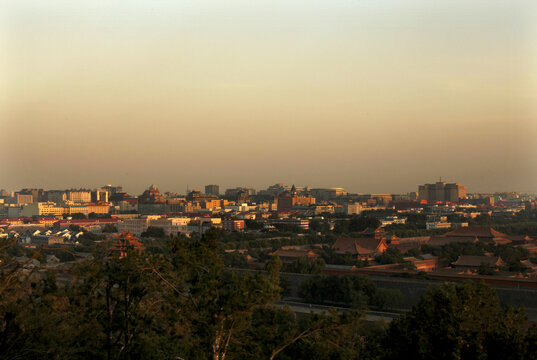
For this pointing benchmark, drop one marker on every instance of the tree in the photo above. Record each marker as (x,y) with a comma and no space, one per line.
(235,260)
(390,256)
(356,224)
(482,220)
(116,294)
(13,290)
(218,303)
(349,290)
(386,299)
(458,321)
(253,225)
(486,269)
(109,228)
(75,228)
(153,232)
(303,265)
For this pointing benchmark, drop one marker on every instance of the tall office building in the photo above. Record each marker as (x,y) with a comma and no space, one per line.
(441,191)
(212,189)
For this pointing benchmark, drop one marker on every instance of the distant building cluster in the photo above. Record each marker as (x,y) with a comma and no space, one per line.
(277,206)
(281,220)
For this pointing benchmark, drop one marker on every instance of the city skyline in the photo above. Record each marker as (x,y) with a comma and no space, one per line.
(371,96)
(222,189)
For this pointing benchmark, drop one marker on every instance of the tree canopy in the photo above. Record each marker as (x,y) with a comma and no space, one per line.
(459,321)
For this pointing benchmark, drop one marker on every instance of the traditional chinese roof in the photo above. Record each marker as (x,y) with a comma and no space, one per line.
(519,238)
(439,240)
(295,253)
(358,246)
(476,231)
(475,261)
(373,231)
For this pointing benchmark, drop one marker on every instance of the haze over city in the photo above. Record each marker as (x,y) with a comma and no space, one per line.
(329,180)
(372,96)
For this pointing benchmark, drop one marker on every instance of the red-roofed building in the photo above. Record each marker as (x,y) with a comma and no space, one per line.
(472,234)
(473,262)
(15,221)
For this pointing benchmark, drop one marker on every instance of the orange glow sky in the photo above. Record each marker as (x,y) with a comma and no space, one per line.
(372,96)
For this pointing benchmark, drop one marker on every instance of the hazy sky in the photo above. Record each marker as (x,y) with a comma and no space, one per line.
(373,96)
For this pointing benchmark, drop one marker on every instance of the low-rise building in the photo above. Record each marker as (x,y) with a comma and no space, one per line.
(472,262)
(301,223)
(136,226)
(393,220)
(233,225)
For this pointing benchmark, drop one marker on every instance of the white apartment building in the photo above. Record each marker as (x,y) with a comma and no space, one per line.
(42,208)
(353,209)
(136,226)
(172,226)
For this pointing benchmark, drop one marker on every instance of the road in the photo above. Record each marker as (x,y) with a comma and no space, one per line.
(303,308)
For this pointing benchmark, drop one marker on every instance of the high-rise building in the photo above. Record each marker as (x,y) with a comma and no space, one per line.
(441,191)
(37,194)
(212,189)
(99,195)
(56,196)
(112,190)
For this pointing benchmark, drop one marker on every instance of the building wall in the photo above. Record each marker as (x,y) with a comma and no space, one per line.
(328,194)
(79,196)
(233,225)
(135,226)
(353,209)
(99,195)
(98,208)
(42,208)
(171,226)
(14,211)
(24,199)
